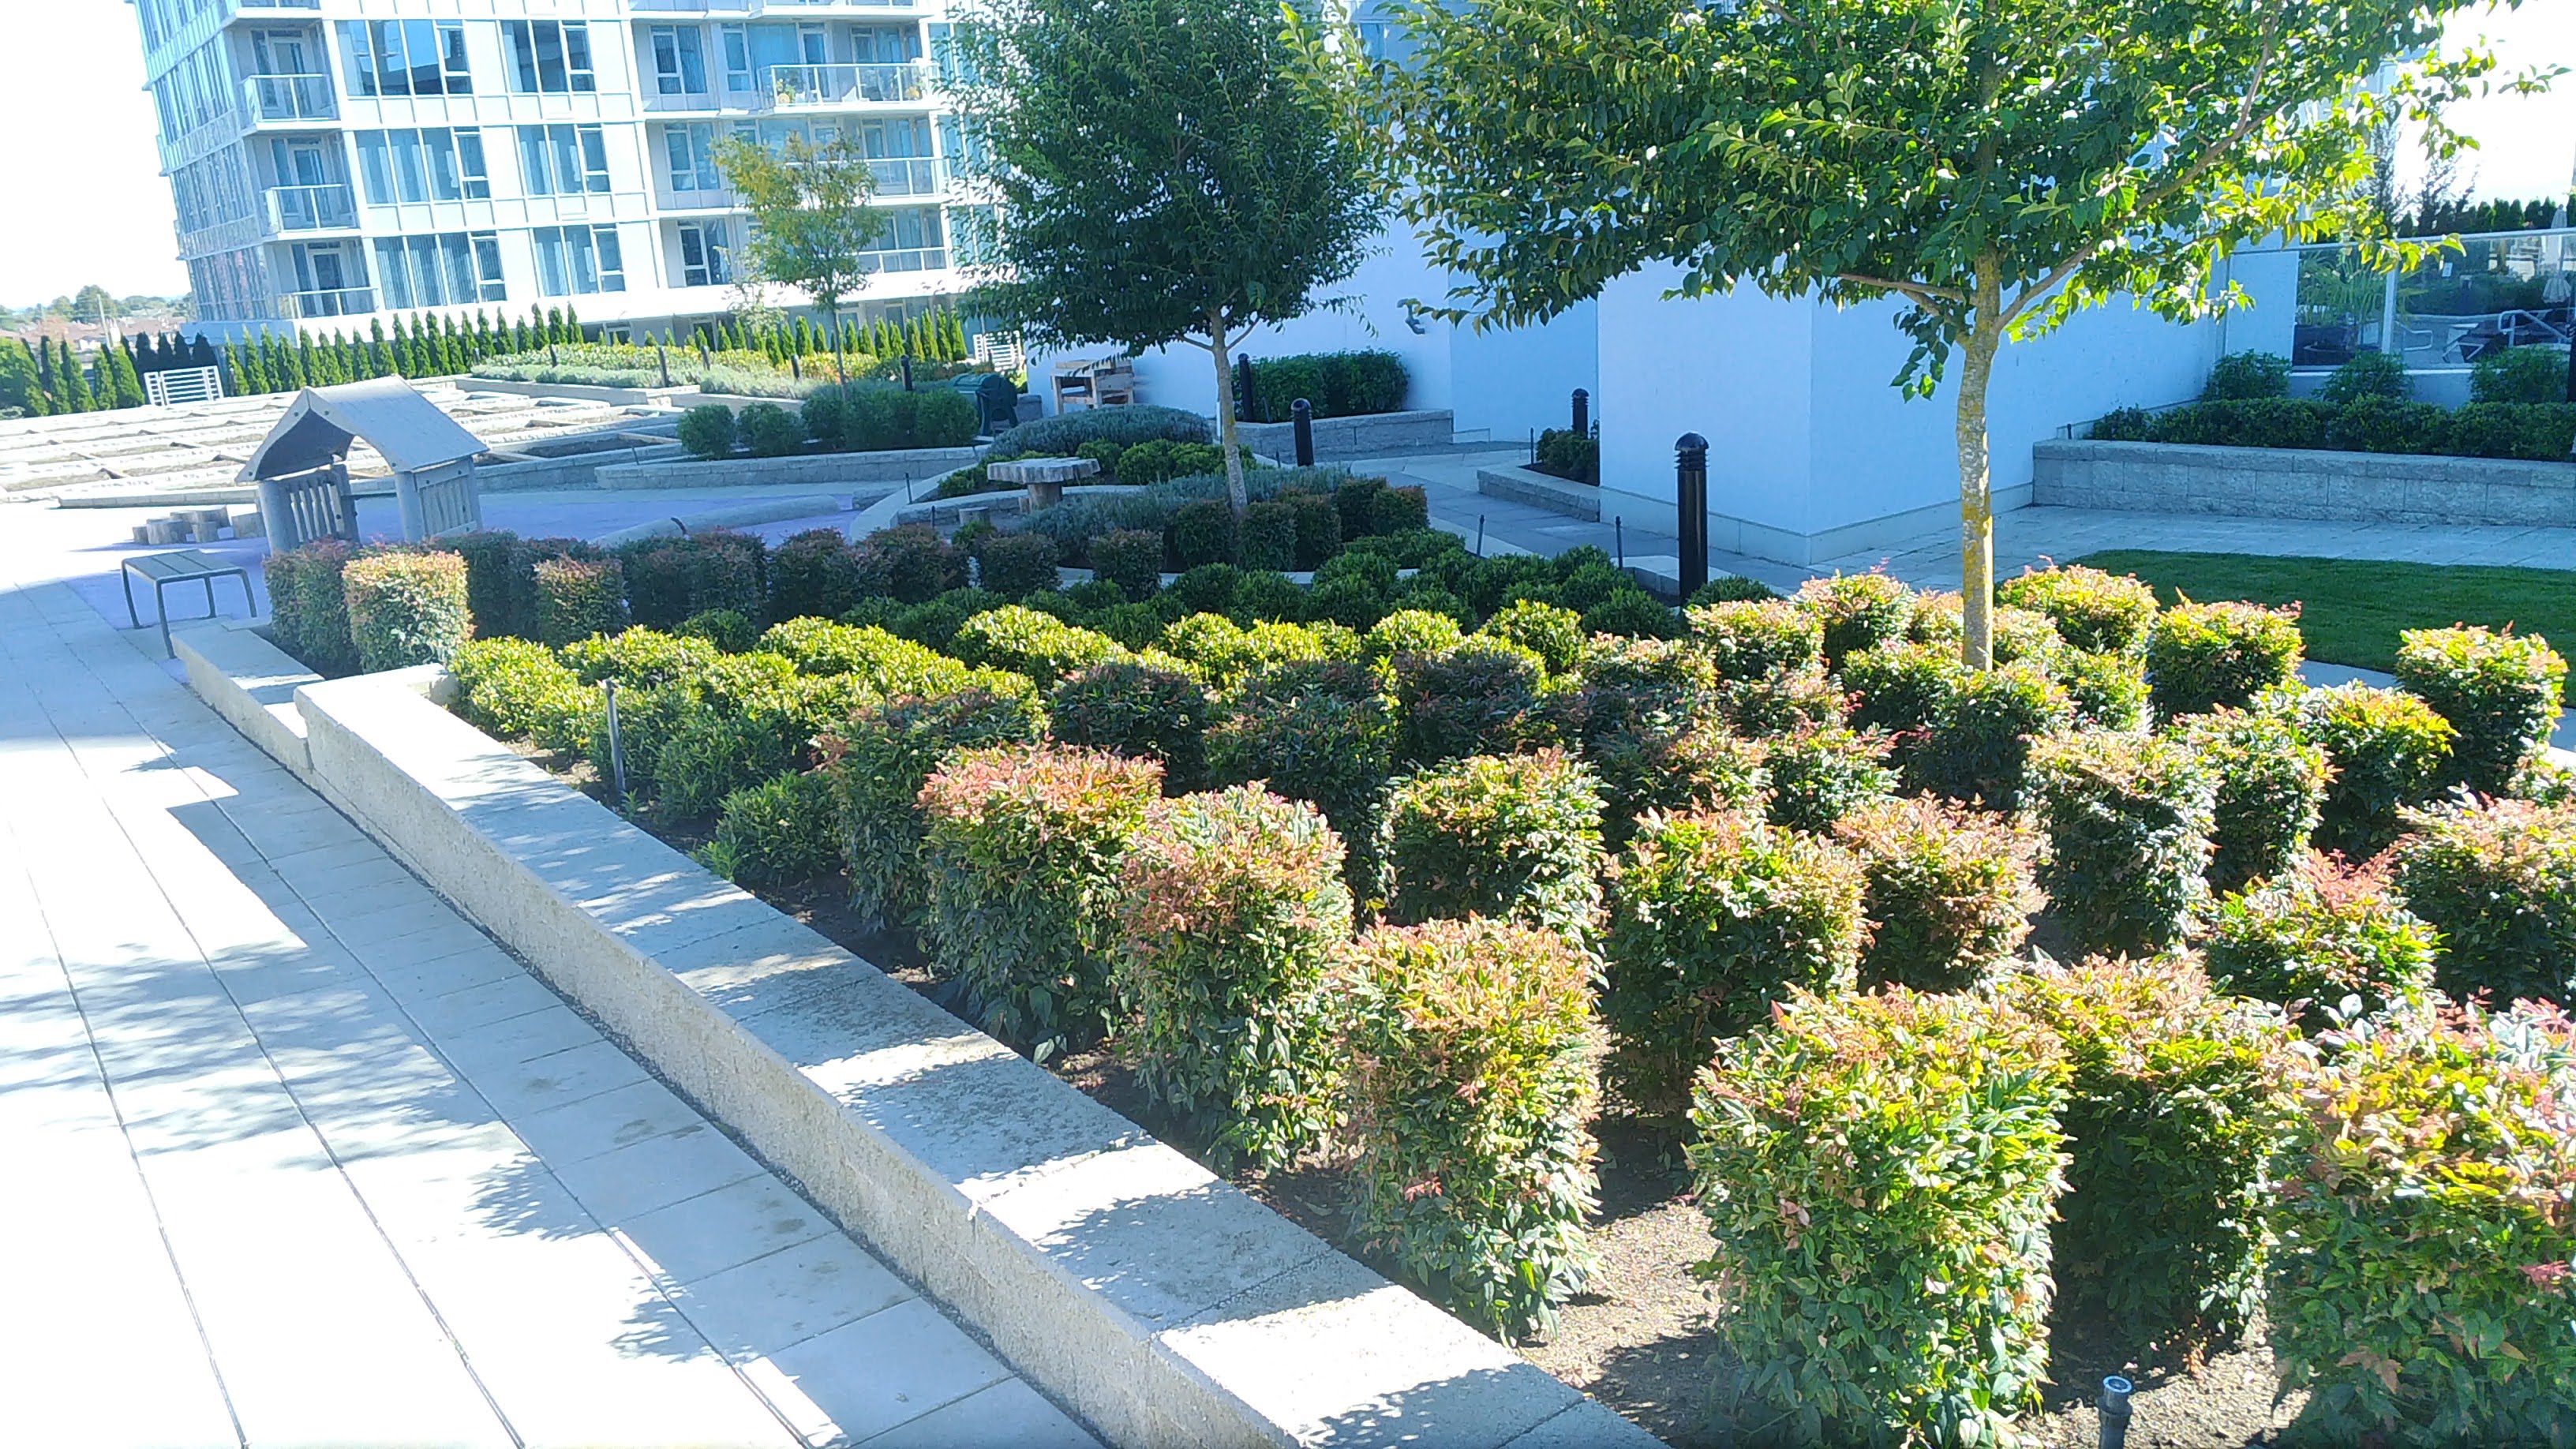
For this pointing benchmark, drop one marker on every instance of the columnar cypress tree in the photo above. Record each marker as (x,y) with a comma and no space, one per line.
(19,385)
(572,324)
(75,394)
(120,385)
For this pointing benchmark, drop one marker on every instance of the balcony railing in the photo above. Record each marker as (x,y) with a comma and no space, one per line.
(289,97)
(328,207)
(345,302)
(803,86)
(909,175)
(917,259)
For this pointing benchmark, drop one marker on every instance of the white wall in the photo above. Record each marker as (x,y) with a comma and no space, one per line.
(1512,382)
(1732,369)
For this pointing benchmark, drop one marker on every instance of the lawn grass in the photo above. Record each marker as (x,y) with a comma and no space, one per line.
(2354,608)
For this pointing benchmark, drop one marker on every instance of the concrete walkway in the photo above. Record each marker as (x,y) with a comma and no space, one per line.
(300,1157)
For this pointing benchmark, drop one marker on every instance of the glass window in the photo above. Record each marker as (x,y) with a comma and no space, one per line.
(406,57)
(487,262)
(577,260)
(737,56)
(374,169)
(704,258)
(594,159)
(576,42)
(536,175)
(679,60)
(393,273)
(410,178)
(550,260)
(563,160)
(469,165)
(813,46)
(549,57)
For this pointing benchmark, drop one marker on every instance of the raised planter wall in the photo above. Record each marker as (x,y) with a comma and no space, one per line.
(1354,437)
(1541,490)
(805,470)
(2303,483)
(1160,1302)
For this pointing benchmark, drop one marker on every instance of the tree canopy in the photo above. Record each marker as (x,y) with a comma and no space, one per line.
(1158,176)
(1993,165)
(811,225)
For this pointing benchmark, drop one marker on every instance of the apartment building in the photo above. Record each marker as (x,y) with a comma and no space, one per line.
(337,160)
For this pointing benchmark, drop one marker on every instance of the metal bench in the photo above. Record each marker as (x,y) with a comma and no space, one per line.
(161,570)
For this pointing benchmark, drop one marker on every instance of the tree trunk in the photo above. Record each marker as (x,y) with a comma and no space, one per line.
(1234,491)
(1976,484)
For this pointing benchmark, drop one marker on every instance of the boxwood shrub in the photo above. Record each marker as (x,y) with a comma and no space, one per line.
(724,628)
(1713,919)
(1020,857)
(1204,532)
(1948,892)
(1131,558)
(2500,692)
(1758,639)
(2172,1110)
(1980,735)
(1138,708)
(1334,384)
(579,598)
(877,763)
(1472,1058)
(2127,820)
(517,690)
(2271,792)
(2389,750)
(781,833)
(406,607)
(2497,879)
(817,573)
(2420,1282)
(2094,611)
(1269,536)
(500,579)
(1024,641)
(2320,933)
(1822,773)
(1880,1173)
(2201,656)
(638,658)
(770,431)
(1857,611)
(915,562)
(707,431)
(885,664)
(1399,510)
(1495,835)
(1231,906)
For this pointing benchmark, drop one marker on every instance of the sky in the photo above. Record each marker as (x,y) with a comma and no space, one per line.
(84,161)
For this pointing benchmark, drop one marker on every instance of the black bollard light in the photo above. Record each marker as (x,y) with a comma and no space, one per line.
(1301,413)
(2114,1411)
(1247,400)
(1582,413)
(907,372)
(663,354)
(1690,499)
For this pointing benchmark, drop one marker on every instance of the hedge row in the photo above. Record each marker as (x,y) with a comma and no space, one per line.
(2371,423)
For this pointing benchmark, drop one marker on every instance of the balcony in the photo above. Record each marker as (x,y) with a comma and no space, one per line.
(909,175)
(815,87)
(289,98)
(343,302)
(910,259)
(328,207)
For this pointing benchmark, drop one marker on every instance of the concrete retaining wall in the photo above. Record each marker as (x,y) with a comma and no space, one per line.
(828,471)
(2303,483)
(1355,437)
(1160,1302)
(251,683)
(579,470)
(1541,490)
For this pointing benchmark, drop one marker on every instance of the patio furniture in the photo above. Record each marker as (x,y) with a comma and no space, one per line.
(161,570)
(1094,382)
(1044,477)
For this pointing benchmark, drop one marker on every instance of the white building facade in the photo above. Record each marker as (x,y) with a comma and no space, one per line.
(335,161)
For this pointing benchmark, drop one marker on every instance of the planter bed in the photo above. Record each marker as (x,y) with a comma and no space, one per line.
(819,470)
(1357,435)
(2303,483)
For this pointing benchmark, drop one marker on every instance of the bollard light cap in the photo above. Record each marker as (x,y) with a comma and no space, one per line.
(1690,443)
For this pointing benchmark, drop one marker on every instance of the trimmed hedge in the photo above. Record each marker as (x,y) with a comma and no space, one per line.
(2172,1110)
(1857,611)
(878,762)
(406,608)
(1879,1173)
(1980,737)
(2202,656)
(1479,698)
(1328,748)
(817,574)
(2369,423)
(1131,558)
(2271,792)
(778,834)
(1713,920)
(1901,687)
(517,690)
(2127,819)
(2389,750)
(308,610)
(1472,1059)
(1821,773)
(2093,611)
(1758,639)
(1334,384)
(578,599)
(1017,565)
(1948,892)
(1231,905)
(1138,708)
(2500,692)
(1509,835)
(2420,1285)
(2316,935)
(1020,855)
(707,431)
(2497,879)
(1551,631)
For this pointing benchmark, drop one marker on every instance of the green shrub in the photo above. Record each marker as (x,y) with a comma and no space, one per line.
(405,608)
(1412,631)
(1822,773)
(1879,1173)
(1020,564)
(2172,1110)
(2127,819)
(2248,375)
(2419,1287)
(2539,432)
(943,418)
(2015,634)
(885,664)
(308,608)
(518,690)
(740,727)
(915,562)
(1334,384)
(1204,589)
(1319,528)
(1553,633)
(816,574)
(2271,792)
(1631,613)
(1269,536)
(1059,436)
(1204,532)
(2093,611)
(1137,708)
(1980,737)
(578,599)
(1231,906)
(2498,880)
(724,628)
(1496,835)
(1020,856)
(1399,510)
(2368,374)
(1713,919)
(638,658)
(1332,749)
(1479,698)
(1567,454)
(2202,656)
(778,834)
(1024,641)
(2500,692)
(2520,375)
(1730,589)
(1266,596)
(2109,691)
(1857,611)
(1780,704)
(500,581)
(2375,423)
(2388,750)
(2317,934)
(877,763)
(1131,558)
(707,431)
(1948,892)
(770,431)
(1900,687)
(1472,1055)
(1757,639)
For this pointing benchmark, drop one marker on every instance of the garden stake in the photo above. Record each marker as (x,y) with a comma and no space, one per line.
(2114,1410)
(616,753)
